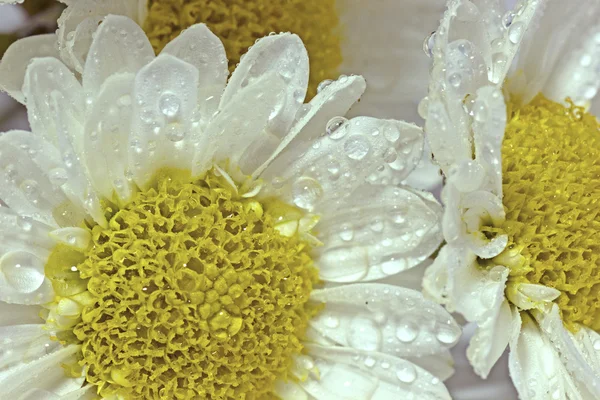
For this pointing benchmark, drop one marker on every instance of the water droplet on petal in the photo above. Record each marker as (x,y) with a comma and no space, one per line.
(169,105)
(446,334)
(346,232)
(323,85)
(370,362)
(306,192)
(407,373)
(515,32)
(336,128)
(429,43)
(25,223)
(508,18)
(175,132)
(357,147)
(407,331)
(23,271)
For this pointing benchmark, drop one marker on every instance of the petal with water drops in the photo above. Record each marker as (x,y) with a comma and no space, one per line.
(366,239)
(325,109)
(119,46)
(535,368)
(28,165)
(198,46)
(19,54)
(384,318)
(24,343)
(362,375)
(23,233)
(164,130)
(44,373)
(240,133)
(19,314)
(574,360)
(106,138)
(285,55)
(22,279)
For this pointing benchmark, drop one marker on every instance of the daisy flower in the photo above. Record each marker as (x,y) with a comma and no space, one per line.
(520,154)
(170,233)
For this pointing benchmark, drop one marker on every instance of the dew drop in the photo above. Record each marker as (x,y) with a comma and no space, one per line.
(429,43)
(370,362)
(169,105)
(337,128)
(390,155)
(346,232)
(333,167)
(407,374)
(423,106)
(24,223)
(323,85)
(363,334)
(407,331)
(332,321)
(175,132)
(508,18)
(515,32)
(391,133)
(467,11)
(23,271)
(597,344)
(306,192)
(357,147)
(446,334)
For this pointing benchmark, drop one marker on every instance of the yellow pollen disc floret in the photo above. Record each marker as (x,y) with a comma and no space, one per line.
(190,293)
(239,23)
(551,185)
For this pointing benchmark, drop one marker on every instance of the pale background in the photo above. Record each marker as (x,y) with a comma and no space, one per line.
(464,385)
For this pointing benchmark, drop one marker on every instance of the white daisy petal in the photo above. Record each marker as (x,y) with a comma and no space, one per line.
(80,394)
(588,342)
(73,37)
(312,121)
(361,375)
(164,131)
(120,45)
(24,343)
(389,319)
(44,373)
(27,164)
(490,339)
(553,51)
(49,85)
(366,240)
(380,147)
(411,278)
(75,237)
(574,361)
(106,140)
(198,46)
(241,134)
(16,314)
(14,61)
(527,296)
(289,391)
(440,365)
(20,232)
(535,367)
(284,53)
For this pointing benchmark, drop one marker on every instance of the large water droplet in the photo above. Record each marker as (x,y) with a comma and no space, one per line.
(346,232)
(323,85)
(333,167)
(357,147)
(407,331)
(429,43)
(508,18)
(467,11)
(23,271)
(515,32)
(337,128)
(364,334)
(393,266)
(446,334)
(175,132)
(407,373)
(25,223)
(169,105)
(306,192)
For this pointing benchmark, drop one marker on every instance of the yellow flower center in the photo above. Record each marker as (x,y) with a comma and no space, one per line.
(239,23)
(551,185)
(191,292)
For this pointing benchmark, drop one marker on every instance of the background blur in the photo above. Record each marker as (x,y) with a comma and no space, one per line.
(40,16)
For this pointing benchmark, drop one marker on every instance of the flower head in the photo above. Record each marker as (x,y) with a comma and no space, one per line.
(519,152)
(191,236)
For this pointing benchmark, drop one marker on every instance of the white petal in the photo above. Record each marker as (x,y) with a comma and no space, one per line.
(19,232)
(440,365)
(490,339)
(289,391)
(588,342)
(14,61)
(15,314)
(574,361)
(535,367)
(79,238)
(366,239)
(240,133)
(198,46)
(396,68)
(553,50)
(106,140)
(285,55)
(527,296)
(44,373)
(27,164)
(163,132)
(24,343)
(333,101)
(578,75)
(387,319)
(361,375)
(120,45)
(56,111)
(436,282)
(75,22)
(51,87)
(361,149)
